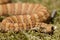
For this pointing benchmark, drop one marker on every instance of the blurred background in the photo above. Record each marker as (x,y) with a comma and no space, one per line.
(32,35)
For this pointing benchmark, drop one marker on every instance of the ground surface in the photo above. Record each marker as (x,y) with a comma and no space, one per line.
(31,35)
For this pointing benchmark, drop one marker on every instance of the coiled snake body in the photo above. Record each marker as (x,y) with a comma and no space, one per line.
(25,16)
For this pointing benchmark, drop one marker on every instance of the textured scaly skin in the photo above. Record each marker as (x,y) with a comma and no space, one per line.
(25,16)
(24,22)
(23,8)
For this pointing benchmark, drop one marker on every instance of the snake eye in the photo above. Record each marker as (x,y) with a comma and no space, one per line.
(54,27)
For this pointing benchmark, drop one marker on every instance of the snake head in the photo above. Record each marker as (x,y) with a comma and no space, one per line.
(47,28)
